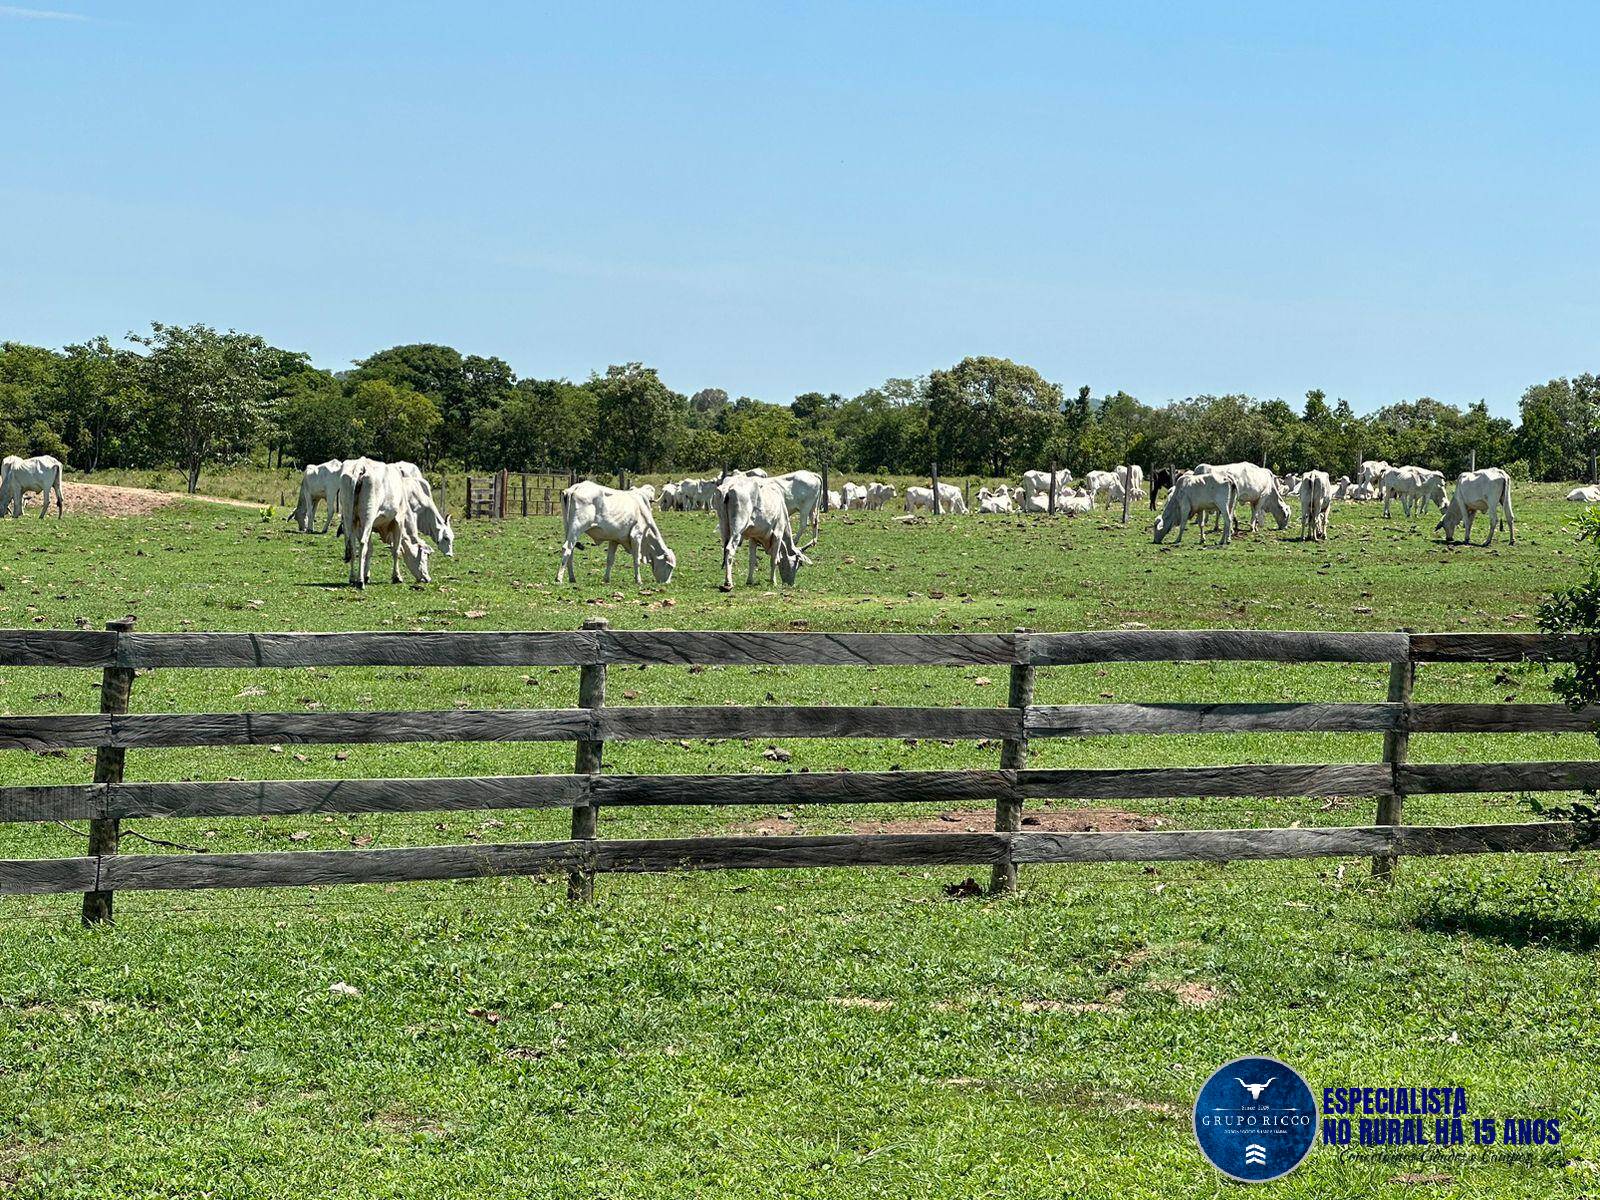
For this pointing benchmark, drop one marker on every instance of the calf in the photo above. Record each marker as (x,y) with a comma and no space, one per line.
(756,511)
(1316,495)
(950,499)
(19,476)
(1487,491)
(613,518)
(1585,495)
(1196,494)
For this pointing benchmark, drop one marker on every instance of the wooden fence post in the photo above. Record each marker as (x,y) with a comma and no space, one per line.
(504,485)
(1052,505)
(116,684)
(1472,459)
(589,760)
(935,475)
(466,508)
(524,493)
(1396,748)
(825,507)
(1013,757)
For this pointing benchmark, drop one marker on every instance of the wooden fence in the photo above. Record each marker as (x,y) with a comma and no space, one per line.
(513,494)
(120,651)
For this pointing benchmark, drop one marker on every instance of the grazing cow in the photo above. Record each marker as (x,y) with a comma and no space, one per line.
(431,523)
(320,481)
(950,499)
(1255,486)
(853,495)
(669,497)
(879,494)
(1194,495)
(647,492)
(756,511)
(612,518)
(383,501)
(1485,491)
(1316,495)
(1585,495)
(19,476)
(1372,471)
(1414,487)
(1037,483)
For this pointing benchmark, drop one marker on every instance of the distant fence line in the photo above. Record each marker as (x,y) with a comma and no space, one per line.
(120,651)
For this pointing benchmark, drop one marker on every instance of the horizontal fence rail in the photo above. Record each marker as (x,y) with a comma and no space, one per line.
(144,651)
(120,652)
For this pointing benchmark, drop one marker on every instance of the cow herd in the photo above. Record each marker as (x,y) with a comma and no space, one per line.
(389,501)
(1216,491)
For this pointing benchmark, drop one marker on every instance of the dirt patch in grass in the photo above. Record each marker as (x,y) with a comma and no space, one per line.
(104,500)
(1189,992)
(977,820)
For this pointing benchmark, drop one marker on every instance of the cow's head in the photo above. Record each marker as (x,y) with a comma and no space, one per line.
(1450,516)
(1168,517)
(447,539)
(1276,508)
(662,564)
(1433,491)
(790,558)
(416,556)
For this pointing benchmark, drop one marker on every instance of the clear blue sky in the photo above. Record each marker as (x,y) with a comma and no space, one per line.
(1384,200)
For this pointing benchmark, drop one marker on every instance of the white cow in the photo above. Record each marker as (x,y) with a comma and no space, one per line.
(1372,471)
(1414,487)
(1585,495)
(950,499)
(1485,491)
(994,502)
(319,482)
(835,501)
(1342,488)
(19,476)
(646,492)
(424,511)
(1102,481)
(1316,495)
(383,501)
(1255,486)
(756,511)
(804,490)
(612,518)
(879,494)
(669,497)
(1037,483)
(853,495)
(1194,495)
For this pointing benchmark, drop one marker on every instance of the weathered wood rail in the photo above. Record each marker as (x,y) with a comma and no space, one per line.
(120,652)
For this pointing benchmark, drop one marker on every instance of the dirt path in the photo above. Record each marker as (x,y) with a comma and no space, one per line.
(103,500)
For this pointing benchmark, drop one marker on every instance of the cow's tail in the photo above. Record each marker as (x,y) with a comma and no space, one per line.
(360,498)
(1505,502)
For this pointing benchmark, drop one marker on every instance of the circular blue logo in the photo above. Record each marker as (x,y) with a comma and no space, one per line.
(1255,1119)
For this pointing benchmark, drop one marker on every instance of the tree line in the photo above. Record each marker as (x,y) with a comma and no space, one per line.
(193,395)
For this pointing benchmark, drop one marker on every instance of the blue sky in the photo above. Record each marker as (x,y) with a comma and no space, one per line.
(1381,200)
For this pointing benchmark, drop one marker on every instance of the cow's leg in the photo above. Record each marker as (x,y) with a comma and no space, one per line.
(729,549)
(565,571)
(751,577)
(638,559)
(1227,526)
(611,557)
(60,506)
(394,546)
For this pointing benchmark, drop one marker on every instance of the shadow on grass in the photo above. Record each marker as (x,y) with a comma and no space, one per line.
(1579,934)
(1548,911)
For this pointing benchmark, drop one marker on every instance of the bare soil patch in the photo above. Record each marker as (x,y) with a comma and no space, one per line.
(103,500)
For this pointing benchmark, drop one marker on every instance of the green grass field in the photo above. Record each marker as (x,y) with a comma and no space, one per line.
(815,1034)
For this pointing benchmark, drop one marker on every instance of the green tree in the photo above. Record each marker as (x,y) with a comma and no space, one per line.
(638,419)
(986,413)
(100,398)
(540,423)
(755,434)
(213,389)
(1559,423)
(393,423)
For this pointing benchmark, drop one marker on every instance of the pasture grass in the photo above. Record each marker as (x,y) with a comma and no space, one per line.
(844,1033)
